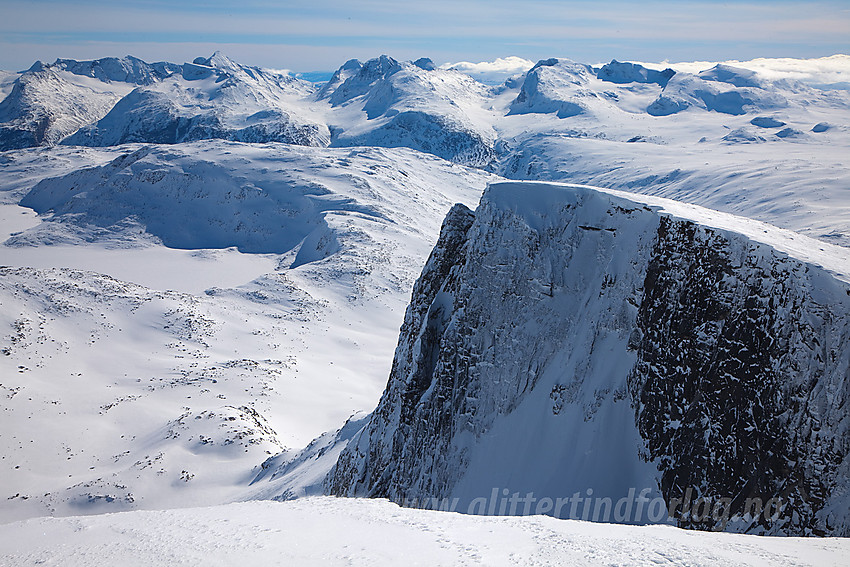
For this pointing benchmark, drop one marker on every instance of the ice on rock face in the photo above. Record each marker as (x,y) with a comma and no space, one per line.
(565,338)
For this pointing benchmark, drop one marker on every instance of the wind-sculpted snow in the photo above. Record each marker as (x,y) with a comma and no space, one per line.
(218,195)
(181,201)
(338,532)
(568,341)
(740,97)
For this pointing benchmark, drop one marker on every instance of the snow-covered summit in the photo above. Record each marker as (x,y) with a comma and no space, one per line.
(554,85)
(388,103)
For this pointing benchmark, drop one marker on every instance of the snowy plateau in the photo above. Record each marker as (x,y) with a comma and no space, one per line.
(230,297)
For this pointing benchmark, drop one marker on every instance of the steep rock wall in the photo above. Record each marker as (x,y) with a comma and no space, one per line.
(573,341)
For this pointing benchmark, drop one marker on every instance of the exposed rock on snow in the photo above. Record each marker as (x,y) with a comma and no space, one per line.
(767,122)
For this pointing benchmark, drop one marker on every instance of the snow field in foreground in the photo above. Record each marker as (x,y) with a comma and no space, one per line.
(331,531)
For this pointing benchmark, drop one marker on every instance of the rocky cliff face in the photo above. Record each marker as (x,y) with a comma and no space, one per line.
(578,346)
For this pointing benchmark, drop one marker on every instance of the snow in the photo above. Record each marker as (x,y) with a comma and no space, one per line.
(212,98)
(330,531)
(538,196)
(157,342)
(821,72)
(517,369)
(175,342)
(492,72)
(563,121)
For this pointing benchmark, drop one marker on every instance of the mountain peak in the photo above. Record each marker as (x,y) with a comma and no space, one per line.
(220,61)
(425,63)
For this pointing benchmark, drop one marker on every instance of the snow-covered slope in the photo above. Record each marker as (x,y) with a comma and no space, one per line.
(170,380)
(125,69)
(554,86)
(48,102)
(564,340)
(335,531)
(566,124)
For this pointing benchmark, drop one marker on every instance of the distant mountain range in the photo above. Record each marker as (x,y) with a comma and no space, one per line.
(522,129)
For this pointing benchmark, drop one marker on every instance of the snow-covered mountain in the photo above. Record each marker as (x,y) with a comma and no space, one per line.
(567,340)
(48,103)
(413,104)
(725,137)
(778,163)
(211,98)
(205,266)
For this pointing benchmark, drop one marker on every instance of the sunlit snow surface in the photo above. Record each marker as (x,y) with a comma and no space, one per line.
(170,380)
(328,531)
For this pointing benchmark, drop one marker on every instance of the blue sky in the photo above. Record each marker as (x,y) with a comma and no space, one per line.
(321,34)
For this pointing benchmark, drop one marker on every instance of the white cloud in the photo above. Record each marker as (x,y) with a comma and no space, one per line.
(492,72)
(832,70)
(279,71)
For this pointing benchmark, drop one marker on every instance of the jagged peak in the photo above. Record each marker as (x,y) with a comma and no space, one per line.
(36,67)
